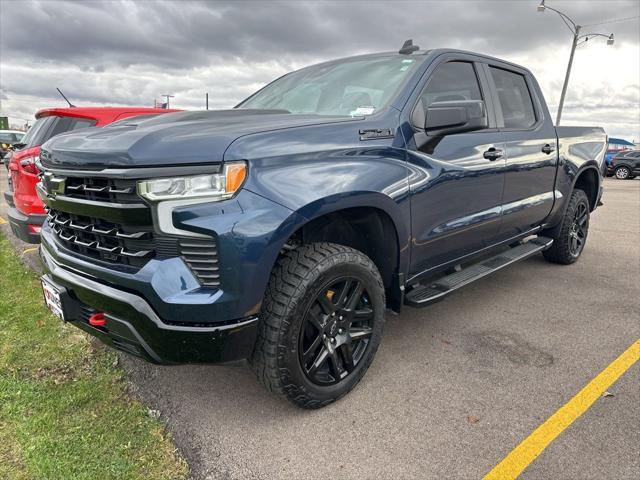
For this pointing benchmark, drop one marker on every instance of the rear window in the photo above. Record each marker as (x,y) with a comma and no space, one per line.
(515,98)
(67,124)
(47,127)
(34,136)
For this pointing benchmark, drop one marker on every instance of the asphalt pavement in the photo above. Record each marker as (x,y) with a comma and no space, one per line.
(454,386)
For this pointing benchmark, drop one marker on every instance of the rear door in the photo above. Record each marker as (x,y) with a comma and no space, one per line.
(531,150)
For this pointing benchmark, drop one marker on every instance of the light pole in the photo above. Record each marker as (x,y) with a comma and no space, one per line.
(167,97)
(577,40)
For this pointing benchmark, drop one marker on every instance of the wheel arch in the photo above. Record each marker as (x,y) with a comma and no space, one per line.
(370,222)
(588,180)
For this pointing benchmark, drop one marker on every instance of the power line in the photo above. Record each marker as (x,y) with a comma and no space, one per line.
(615,20)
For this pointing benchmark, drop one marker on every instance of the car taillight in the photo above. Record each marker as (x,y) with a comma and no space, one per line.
(29,165)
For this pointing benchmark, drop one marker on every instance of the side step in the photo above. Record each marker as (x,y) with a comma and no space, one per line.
(426,294)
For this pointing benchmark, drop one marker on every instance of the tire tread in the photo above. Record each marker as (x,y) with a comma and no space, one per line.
(559,250)
(292,275)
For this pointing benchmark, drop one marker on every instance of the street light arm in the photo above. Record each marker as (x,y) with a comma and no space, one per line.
(587,36)
(594,35)
(564,17)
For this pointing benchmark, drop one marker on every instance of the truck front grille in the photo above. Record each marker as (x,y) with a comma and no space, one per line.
(96,238)
(113,190)
(104,219)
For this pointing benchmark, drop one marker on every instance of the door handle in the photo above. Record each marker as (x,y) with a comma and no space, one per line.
(548,148)
(492,154)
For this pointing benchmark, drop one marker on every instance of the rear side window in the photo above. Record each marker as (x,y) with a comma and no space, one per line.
(450,82)
(515,98)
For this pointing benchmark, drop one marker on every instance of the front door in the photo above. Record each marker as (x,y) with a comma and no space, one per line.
(455,180)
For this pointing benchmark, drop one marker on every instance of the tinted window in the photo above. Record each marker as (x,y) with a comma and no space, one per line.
(450,82)
(514,97)
(66,124)
(81,123)
(36,133)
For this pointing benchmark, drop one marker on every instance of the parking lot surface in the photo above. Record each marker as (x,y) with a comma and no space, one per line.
(454,387)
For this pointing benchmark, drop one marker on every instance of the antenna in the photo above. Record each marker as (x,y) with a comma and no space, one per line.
(65,98)
(408,47)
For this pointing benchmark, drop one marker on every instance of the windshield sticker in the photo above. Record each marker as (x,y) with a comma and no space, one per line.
(408,61)
(363,111)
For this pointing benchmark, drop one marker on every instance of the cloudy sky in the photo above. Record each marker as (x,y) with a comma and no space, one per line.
(130,52)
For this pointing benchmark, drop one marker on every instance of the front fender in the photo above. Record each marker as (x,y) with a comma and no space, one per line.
(314,184)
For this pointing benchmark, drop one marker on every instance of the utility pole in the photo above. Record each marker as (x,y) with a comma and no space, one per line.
(575,30)
(566,77)
(206,96)
(167,97)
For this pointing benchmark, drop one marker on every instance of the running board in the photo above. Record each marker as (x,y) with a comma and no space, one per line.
(426,294)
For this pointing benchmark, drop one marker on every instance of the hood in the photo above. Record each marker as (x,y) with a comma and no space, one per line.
(187,138)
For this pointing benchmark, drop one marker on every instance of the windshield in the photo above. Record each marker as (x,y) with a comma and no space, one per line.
(353,87)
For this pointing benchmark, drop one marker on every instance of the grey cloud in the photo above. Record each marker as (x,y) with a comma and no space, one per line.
(128,52)
(190,34)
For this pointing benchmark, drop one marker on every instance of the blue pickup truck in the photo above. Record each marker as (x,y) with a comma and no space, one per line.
(282,230)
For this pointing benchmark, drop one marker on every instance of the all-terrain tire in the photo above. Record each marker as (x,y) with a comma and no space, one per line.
(296,281)
(561,251)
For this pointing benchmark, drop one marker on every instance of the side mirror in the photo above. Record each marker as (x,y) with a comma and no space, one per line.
(442,118)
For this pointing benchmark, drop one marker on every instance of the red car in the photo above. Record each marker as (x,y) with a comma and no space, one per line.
(26,211)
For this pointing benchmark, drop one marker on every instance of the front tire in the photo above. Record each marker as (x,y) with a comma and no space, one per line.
(320,325)
(623,173)
(569,241)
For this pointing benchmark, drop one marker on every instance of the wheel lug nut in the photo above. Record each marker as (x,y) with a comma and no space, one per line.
(333,340)
(339,330)
(324,336)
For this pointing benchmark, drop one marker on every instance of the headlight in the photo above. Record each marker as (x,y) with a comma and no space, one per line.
(215,187)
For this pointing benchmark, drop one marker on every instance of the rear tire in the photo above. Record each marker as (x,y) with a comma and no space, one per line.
(623,173)
(320,325)
(570,239)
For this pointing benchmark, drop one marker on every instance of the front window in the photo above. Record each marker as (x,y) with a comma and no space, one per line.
(353,87)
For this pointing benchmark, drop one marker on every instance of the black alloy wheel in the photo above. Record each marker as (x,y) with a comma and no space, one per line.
(578,229)
(320,325)
(570,237)
(336,331)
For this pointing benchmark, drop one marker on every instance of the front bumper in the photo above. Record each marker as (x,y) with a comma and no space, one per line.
(20,225)
(134,327)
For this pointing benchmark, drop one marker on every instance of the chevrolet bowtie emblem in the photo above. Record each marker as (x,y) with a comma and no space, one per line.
(53,185)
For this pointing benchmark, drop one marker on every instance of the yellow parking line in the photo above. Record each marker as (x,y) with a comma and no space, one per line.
(532,446)
(27,250)
(2,221)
